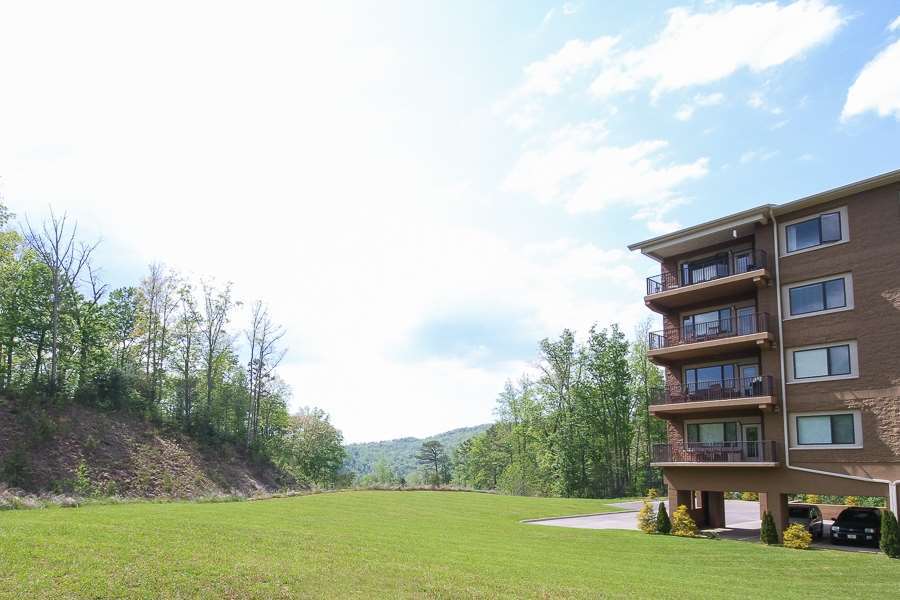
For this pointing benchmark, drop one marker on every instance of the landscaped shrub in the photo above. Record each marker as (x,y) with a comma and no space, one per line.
(646,518)
(851,501)
(813,499)
(652,493)
(682,523)
(750,496)
(663,524)
(796,536)
(768,534)
(890,534)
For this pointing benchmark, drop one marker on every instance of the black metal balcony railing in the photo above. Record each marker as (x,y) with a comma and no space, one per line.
(725,389)
(712,330)
(708,270)
(715,452)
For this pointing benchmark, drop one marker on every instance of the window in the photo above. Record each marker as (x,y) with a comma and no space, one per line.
(702,270)
(712,433)
(707,324)
(838,429)
(817,296)
(823,362)
(815,231)
(706,378)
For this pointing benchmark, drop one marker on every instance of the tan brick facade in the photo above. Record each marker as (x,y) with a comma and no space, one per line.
(870,253)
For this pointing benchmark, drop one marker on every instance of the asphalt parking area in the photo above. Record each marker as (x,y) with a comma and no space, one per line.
(741,523)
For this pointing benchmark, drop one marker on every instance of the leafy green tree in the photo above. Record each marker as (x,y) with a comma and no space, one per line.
(311,448)
(433,457)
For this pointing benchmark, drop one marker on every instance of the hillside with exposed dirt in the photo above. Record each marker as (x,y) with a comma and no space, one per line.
(87,452)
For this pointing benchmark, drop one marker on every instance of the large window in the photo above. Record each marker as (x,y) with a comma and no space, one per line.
(822,362)
(708,324)
(828,429)
(712,433)
(815,231)
(828,294)
(834,361)
(705,378)
(825,295)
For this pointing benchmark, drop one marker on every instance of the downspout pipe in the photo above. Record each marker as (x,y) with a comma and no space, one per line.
(892,485)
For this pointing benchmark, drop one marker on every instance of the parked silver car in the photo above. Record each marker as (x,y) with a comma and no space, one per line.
(807,515)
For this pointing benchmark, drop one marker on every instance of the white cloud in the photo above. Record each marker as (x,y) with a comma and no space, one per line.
(686,111)
(548,76)
(760,101)
(758,155)
(570,8)
(895,24)
(701,48)
(877,88)
(578,169)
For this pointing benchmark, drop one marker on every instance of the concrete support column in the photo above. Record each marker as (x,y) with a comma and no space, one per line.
(677,498)
(714,502)
(777,505)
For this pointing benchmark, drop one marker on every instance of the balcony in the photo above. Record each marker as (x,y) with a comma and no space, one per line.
(708,396)
(734,334)
(715,454)
(728,274)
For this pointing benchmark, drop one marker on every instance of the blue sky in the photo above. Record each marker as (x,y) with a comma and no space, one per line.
(422,191)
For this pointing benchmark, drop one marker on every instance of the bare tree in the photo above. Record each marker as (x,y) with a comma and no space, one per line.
(56,247)
(265,355)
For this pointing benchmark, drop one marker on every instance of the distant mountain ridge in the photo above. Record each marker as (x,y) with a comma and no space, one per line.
(400,453)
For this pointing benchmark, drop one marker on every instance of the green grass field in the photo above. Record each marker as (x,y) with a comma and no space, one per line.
(397,544)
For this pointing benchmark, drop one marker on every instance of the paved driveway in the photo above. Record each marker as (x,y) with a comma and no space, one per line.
(738,514)
(741,523)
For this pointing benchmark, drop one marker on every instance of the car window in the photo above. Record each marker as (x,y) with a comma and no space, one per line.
(799,512)
(859,516)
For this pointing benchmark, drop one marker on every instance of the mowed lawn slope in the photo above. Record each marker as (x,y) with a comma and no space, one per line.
(397,544)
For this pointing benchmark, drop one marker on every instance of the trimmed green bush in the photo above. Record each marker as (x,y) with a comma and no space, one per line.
(663,524)
(890,534)
(682,523)
(768,534)
(796,536)
(646,518)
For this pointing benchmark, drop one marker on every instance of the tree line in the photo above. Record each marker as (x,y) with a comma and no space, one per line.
(581,427)
(167,348)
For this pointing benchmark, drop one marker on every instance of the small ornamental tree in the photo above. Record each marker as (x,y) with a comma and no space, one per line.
(890,534)
(767,532)
(652,494)
(796,536)
(646,518)
(663,524)
(749,496)
(682,523)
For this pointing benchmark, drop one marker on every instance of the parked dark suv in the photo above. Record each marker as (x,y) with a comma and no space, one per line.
(807,515)
(857,524)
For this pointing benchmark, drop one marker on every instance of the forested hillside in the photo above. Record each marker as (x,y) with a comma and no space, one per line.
(166,351)
(400,455)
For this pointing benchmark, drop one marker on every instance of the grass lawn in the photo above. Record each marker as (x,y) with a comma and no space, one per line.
(397,544)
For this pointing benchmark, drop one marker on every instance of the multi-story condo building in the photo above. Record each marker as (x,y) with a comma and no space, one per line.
(780,341)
